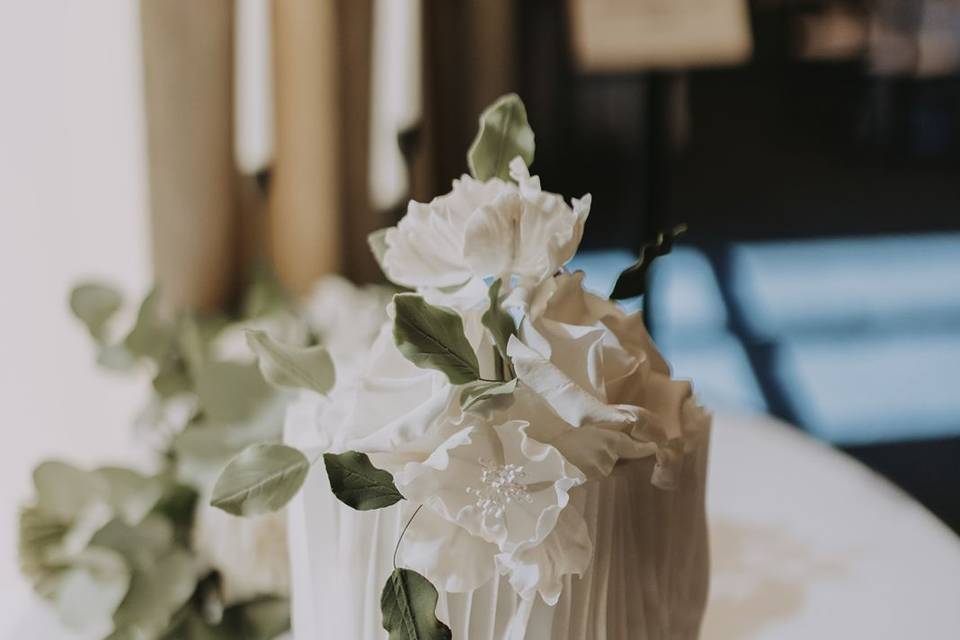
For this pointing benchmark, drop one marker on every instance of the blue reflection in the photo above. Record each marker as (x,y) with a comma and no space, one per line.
(856,340)
(850,285)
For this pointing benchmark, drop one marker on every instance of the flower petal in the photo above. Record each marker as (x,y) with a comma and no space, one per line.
(594,449)
(492,237)
(451,558)
(571,402)
(426,248)
(540,568)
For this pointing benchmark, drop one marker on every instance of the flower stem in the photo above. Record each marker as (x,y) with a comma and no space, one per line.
(400,539)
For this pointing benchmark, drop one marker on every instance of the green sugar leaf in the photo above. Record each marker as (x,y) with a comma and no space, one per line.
(261,479)
(504,134)
(633,281)
(432,338)
(479,391)
(498,321)
(292,367)
(409,607)
(357,483)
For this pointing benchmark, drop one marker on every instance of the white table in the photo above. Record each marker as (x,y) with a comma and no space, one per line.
(806,543)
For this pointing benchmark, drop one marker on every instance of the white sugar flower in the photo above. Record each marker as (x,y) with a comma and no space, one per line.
(507,491)
(597,369)
(390,406)
(426,248)
(482,229)
(390,403)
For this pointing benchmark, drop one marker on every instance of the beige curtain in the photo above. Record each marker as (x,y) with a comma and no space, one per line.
(208,223)
(188,89)
(321,203)
(319,206)
(305,198)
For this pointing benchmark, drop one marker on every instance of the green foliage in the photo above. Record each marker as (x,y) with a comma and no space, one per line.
(172,377)
(89,589)
(87,537)
(479,391)
(263,478)
(140,544)
(95,304)
(432,337)
(64,491)
(292,367)
(155,596)
(110,548)
(192,342)
(265,295)
(501,326)
(206,446)
(357,483)
(230,392)
(259,619)
(409,607)
(153,333)
(503,135)
(633,281)
(131,495)
(178,505)
(38,535)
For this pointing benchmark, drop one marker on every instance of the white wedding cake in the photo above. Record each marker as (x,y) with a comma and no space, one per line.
(511,458)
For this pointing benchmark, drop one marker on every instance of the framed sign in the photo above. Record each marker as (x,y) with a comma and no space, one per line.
(635,35)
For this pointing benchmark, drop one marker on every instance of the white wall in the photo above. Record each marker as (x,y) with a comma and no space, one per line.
(72,205)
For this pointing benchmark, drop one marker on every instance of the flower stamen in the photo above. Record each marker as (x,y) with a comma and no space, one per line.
(500,487)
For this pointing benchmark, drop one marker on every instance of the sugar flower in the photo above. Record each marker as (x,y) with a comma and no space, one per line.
(597,369)
(485,229)
(507,491)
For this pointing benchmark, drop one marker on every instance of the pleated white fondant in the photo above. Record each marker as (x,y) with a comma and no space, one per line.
(648,579)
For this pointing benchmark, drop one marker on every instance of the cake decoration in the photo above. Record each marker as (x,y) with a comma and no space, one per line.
(498,390)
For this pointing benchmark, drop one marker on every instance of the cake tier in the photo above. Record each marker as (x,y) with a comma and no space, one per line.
(648,579)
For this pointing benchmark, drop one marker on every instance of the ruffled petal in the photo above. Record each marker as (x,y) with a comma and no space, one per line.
(593,449)
(426,248)
(546,467)
(571,402)
(492,237)
(540,568)
(461,481)
(451,558)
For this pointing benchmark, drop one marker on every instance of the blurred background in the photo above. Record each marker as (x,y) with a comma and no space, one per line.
(812,146)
